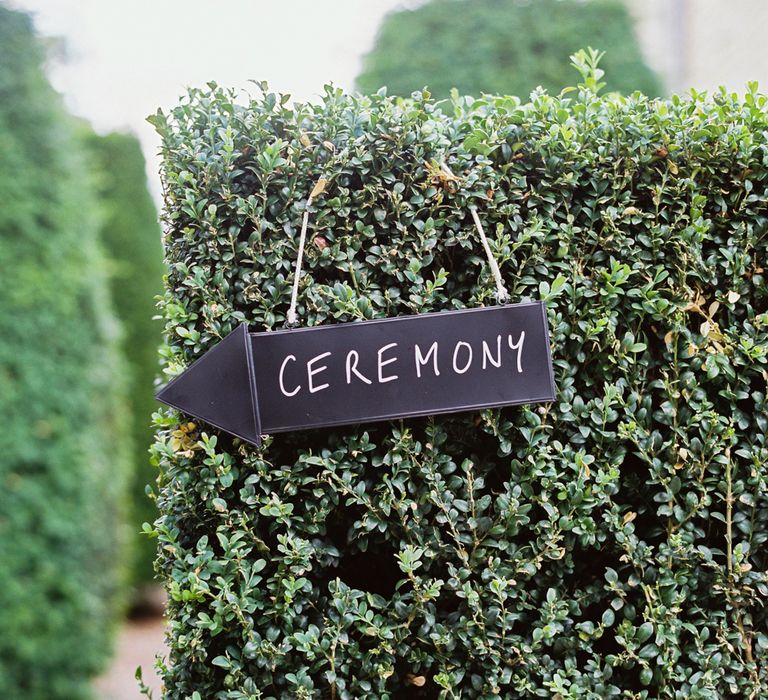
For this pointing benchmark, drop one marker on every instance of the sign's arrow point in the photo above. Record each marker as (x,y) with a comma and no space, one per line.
(220,388)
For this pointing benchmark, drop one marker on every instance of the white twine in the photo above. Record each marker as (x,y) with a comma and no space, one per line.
(501,291)
(291,316)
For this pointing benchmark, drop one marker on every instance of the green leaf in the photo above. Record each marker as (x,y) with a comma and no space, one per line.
(643,632)
(222,661)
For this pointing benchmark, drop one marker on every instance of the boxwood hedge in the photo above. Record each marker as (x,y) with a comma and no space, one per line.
(611,544)
(63,460)
(502,46)
(130,235)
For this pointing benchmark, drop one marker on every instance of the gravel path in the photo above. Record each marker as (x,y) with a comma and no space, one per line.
(137,644)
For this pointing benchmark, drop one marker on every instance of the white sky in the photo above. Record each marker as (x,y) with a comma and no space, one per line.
(126,58)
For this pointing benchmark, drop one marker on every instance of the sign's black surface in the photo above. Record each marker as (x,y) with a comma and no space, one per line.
(259,383)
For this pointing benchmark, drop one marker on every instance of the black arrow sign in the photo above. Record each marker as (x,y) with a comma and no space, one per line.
(259,383)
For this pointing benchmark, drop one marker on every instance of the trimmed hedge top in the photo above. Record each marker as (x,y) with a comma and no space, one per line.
(610,544)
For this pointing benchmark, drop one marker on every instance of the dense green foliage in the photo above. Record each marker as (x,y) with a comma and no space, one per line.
(130,236)
(505,47)
(610,544)
(62,461)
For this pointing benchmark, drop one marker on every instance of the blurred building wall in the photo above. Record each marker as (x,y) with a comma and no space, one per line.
(704,43)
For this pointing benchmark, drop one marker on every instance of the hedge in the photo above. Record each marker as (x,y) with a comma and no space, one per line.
(130,235)
(62,462)
(610,544)
(502,46)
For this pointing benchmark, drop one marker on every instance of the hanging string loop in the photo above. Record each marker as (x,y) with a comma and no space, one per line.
(291,319)
(502,296)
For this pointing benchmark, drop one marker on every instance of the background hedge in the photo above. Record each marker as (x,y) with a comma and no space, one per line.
(611,544)
(63,457)
(507,47)
(130,234)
